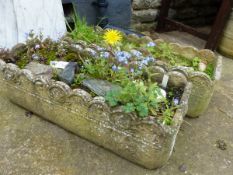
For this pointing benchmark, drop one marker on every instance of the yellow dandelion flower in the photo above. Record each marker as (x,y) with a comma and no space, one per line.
(112,36)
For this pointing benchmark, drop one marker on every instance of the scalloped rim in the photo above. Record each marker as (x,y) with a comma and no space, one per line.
(217,59)
(84,94)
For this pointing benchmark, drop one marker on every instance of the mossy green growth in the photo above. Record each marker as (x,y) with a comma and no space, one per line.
(23,61)
(210,70)
(165,53)
(70,57)
(43,51)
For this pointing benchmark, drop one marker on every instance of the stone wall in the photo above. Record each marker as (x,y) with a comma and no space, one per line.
(144,14)
(194,12)
(191,12)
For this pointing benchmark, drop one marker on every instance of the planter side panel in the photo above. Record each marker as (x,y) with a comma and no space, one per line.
(203,86)
(149,145)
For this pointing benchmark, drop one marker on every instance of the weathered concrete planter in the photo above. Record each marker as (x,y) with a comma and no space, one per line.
(145,142)
(203,85)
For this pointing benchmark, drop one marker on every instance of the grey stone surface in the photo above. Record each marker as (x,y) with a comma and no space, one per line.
(68,74)
(90,117)
(33,146)
(144,14)
(148,15)
(99,87)
(145,4)
(143,26)
(40,69)
(197,12)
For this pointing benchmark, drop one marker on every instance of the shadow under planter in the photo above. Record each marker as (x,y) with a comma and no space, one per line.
(142,141)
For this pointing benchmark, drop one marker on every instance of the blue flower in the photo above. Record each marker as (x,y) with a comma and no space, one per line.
(140,65)
(115,68)
(123,56)
(149,59)
(176,101)
(131,70)
(136,53)
(98,48)
(35,57)
(145,62)
(37,46)
(151,44)
(105,54)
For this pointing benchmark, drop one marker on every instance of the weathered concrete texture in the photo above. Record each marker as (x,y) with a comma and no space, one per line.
(184,39)
(33,146)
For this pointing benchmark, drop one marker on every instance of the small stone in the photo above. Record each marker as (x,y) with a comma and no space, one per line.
(76,47)
(18,49)
(183,168)
(81,42)
(202,66)
(68,74)
(28,114)
(40,70)
(99,87)
(96,47)
(35,57)
(221,144)
(91,52)
(59,64)
(162,95)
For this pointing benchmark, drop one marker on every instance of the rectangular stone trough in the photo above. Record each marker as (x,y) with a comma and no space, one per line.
(203,85)
(143,141)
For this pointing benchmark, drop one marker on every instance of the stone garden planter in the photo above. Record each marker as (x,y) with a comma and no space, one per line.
(203,85)
(142,141)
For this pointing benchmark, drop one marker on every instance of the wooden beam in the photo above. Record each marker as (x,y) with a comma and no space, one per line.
(163,15)
(219,24)
(165,24)
(174,25)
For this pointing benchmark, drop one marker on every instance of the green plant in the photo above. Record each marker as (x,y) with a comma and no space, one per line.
(195,63)
(137,97)
(96,68)
(164,51)
(82,31)
(210,70)
(23,61)
(167,114)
